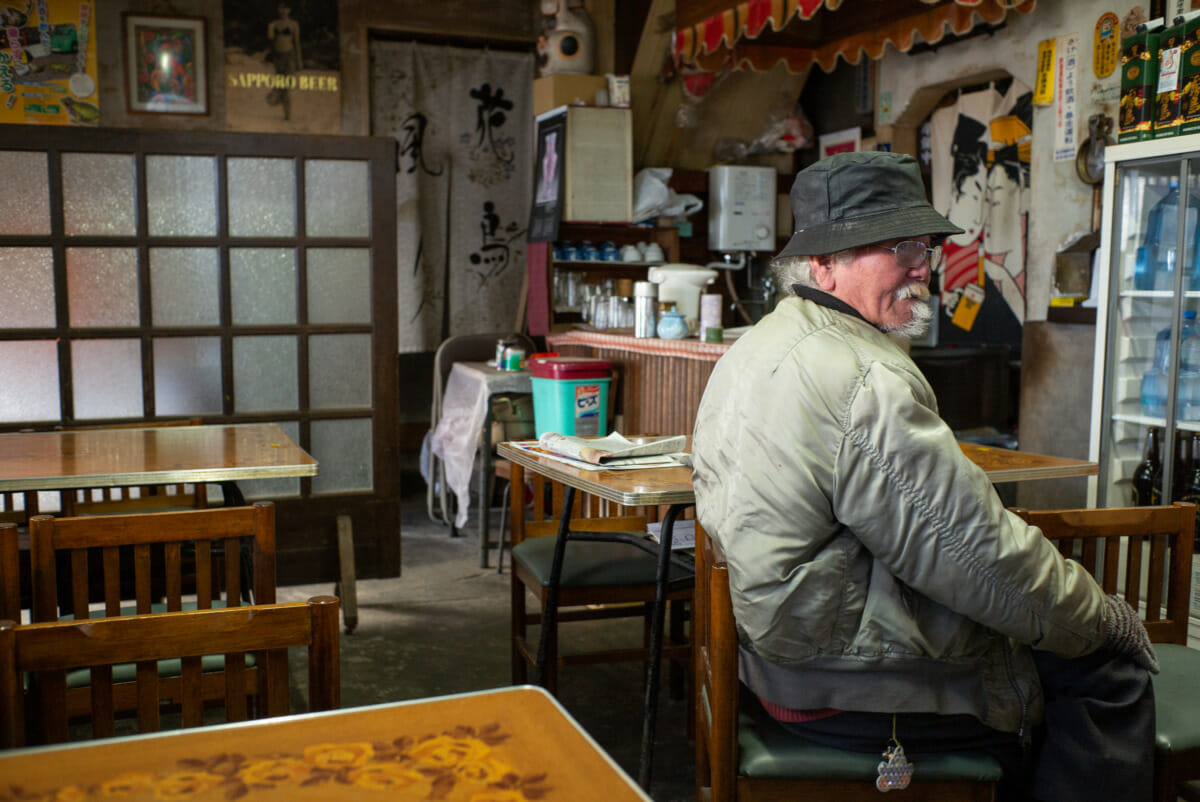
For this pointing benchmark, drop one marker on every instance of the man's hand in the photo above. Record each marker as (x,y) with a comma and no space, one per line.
(1126,635)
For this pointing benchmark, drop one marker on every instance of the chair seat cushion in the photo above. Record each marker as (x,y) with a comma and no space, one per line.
(589,563)
(767,750)
(1176,705)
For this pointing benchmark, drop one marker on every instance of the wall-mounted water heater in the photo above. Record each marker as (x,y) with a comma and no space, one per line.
(741,209)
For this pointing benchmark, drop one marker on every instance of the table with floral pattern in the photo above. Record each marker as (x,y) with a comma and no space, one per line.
(507,745)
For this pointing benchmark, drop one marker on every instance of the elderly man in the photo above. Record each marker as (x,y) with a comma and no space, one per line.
(880,587)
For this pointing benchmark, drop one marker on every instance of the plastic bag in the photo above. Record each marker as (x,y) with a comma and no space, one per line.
(653,198)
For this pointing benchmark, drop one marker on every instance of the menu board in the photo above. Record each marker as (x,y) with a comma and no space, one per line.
(47,68)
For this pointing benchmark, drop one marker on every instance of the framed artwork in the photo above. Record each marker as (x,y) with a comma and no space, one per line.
(548,178)
(165,69)
(845,141)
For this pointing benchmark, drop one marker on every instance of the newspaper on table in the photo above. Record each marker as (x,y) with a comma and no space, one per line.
(611,449)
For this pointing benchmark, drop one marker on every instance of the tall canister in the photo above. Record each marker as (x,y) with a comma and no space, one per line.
(570,395)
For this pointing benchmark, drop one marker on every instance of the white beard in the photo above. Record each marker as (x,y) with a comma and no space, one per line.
(922,313)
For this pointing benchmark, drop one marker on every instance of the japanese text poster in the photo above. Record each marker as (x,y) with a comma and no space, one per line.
(47,68)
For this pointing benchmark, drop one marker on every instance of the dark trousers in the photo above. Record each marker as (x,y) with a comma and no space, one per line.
(1096,743)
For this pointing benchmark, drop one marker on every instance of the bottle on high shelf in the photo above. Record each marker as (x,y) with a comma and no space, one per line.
(1148,474)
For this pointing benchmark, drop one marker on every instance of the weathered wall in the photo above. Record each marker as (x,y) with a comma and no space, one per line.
(512,23)
(1060,203)
(1057,359)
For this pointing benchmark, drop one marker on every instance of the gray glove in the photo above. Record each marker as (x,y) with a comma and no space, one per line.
(1126,635)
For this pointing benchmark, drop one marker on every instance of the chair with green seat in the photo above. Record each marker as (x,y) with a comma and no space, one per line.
(743,754)
(1144,554)
(151,547)
(599,580)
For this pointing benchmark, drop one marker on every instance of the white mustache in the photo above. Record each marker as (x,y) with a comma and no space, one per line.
(914,290)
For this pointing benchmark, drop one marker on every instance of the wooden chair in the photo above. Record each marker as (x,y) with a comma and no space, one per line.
(48,651)
(92,549)
(1144,554)
(743,754)
(599,580)
(10,573)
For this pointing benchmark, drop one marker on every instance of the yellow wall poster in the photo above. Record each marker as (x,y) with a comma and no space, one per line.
(1043,89)
(47,68)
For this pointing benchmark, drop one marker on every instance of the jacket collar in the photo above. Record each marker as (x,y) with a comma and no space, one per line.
(829,301)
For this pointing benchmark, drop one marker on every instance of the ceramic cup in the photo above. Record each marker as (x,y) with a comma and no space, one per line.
(654,252)
(630,253)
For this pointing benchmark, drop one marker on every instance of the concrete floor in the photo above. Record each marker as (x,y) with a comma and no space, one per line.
(443,628)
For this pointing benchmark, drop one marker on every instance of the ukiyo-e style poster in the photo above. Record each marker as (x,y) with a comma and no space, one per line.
(464,128)
(981,147)
(48,63)
(282,66)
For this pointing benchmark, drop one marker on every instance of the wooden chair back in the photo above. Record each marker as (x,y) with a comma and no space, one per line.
(103,539)
(18,506)
(10,573)
(543,519)
(1135,552)
(47,651)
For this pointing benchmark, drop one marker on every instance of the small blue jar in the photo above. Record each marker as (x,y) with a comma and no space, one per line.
(672,326)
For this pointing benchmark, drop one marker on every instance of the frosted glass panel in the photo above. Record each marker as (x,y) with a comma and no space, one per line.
(102,286)
(343,449)
(107,378)
(98,194)
(187,375)
(264,285)
(25,208)
(262,197)
(183,287)
(181,193)
(336,199)
(255,489)
(265,374)
(339,371)
(26,287)
(29,381)
(339,285)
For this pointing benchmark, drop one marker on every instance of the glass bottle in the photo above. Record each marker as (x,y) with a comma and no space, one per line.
(1191,492)
(1147,475)
(1183,465)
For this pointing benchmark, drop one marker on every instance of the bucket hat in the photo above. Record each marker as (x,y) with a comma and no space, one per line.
(853,199)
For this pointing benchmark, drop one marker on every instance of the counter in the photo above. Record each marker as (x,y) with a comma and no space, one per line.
(658,383)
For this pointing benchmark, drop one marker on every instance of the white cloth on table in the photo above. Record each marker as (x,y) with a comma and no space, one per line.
(464,410)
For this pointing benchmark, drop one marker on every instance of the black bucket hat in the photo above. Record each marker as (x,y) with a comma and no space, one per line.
(854,199)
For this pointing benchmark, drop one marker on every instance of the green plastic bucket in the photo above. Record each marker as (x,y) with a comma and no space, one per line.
(570,395)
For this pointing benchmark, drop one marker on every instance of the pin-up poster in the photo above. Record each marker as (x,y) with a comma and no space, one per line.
(282,66)
(47,68)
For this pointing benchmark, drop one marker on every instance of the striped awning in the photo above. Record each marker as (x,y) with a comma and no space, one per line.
(759,34)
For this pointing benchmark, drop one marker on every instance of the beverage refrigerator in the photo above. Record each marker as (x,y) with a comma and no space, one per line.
(1147,363)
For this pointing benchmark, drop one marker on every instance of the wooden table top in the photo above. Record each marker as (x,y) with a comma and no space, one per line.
(147,456)
(636,488)
(1003,465)
(506,745)
(652,486)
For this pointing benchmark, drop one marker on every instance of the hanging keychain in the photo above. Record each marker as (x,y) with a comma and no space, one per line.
(895,772)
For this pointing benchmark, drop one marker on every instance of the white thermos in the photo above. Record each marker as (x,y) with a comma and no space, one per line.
(645,306)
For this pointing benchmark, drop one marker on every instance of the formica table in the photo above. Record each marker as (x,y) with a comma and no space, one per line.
(673,486)
(507,744)
(149,456)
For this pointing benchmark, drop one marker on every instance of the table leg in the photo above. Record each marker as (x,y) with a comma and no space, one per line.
(550,611)
(485,481)
(348,586)
(662,580)
(231,496)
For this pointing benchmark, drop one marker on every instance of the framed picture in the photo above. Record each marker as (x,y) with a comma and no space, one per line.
(165,68)
(845,141)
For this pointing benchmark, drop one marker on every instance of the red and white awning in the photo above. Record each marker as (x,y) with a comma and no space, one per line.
(727,38)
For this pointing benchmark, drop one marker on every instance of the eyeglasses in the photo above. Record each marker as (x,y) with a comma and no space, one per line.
(912,253)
